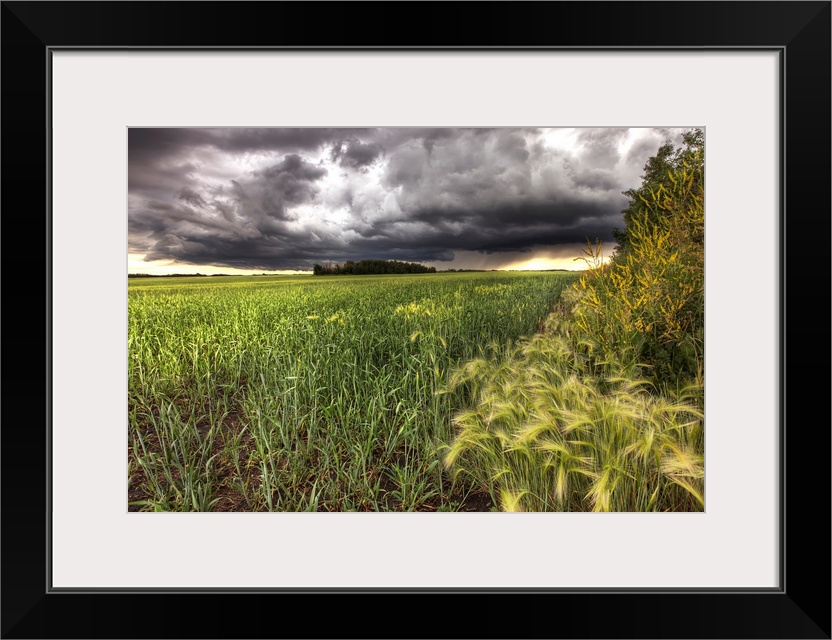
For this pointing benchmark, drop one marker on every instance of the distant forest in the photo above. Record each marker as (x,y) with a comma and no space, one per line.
(177,275)
(369,267)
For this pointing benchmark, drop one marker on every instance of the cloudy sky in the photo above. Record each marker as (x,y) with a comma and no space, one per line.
(232,200)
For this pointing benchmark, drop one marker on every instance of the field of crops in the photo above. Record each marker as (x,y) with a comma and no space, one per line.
(311,393)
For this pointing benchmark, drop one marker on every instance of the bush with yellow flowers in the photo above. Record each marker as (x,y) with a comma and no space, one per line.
(646,306)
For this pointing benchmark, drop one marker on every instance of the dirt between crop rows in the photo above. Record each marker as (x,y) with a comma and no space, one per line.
(230,496)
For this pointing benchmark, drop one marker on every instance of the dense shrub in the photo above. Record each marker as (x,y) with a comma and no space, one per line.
(647,305)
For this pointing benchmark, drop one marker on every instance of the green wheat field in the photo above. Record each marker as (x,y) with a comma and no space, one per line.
(301,393)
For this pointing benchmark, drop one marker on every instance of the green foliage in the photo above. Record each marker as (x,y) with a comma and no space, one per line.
(647,305)
(657,174)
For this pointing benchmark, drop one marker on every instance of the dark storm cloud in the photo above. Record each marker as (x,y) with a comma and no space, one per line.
(192,198)
(288,182)
(285,198)
(174,154)
(354,153)
(232,140)
(248,217)
(511,228)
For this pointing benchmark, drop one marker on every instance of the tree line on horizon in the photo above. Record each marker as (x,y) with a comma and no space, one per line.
(177,275)
(370,267)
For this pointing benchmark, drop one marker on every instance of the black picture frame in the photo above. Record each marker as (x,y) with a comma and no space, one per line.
(799,608)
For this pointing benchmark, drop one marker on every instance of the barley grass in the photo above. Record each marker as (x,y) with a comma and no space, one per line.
(552,431)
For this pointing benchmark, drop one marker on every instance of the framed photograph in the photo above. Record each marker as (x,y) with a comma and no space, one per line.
(273,138)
